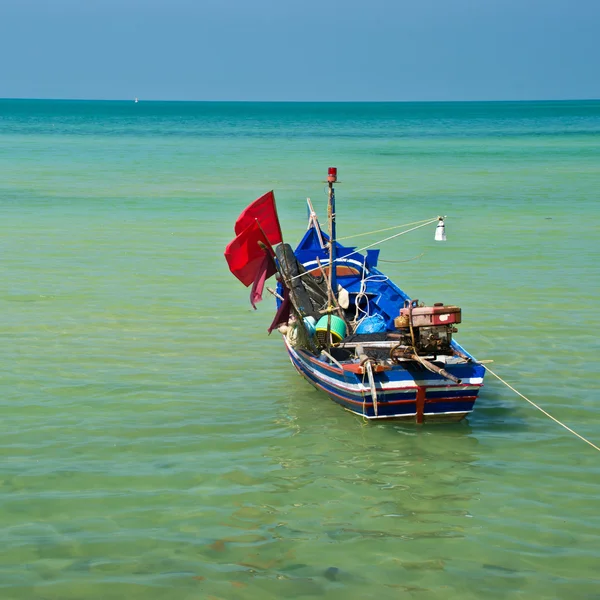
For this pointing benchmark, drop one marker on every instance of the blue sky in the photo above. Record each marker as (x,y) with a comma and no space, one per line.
(380,50)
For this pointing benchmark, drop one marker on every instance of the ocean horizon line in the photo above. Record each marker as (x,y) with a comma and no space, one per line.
(172,101)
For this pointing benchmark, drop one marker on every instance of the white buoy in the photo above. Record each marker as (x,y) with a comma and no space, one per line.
(440,230)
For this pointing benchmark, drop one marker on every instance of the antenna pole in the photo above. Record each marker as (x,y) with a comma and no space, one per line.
(331,179)
(332,287)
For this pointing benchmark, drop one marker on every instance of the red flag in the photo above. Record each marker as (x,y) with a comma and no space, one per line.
(283,312)
(265,270)
(264,211)
(245,256)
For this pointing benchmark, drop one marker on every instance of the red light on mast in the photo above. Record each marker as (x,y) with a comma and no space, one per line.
(332,175)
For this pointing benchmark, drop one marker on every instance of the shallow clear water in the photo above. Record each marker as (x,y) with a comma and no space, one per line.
(155,443)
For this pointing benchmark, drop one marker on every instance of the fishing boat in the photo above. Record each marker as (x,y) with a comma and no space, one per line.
(349,330)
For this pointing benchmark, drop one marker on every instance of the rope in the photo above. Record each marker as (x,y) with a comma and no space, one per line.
(391,237)
(387,239)
(364,398)
(362,293)
(348,237)
(541,409)
(403,261)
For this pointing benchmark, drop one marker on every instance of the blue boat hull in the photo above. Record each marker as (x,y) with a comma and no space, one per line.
(402,392)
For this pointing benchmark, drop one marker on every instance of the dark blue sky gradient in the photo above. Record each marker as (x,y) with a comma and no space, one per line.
(302,50)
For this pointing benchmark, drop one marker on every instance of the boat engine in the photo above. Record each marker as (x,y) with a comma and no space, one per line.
(430,326)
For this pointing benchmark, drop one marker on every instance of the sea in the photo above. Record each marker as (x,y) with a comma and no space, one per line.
(156,443)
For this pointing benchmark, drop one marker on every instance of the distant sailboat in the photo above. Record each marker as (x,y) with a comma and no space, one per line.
(136,100)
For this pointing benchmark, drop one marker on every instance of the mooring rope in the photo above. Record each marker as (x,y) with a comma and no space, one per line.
(540,408)
(348,237)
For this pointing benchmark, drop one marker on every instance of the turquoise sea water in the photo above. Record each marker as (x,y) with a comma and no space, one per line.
(155,443)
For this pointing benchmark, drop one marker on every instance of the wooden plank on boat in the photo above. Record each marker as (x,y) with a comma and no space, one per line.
(380,344)
(359,369)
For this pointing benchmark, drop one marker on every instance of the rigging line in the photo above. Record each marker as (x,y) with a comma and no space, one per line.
(403,261)
(348,237)
(391,237)
(541,409)
(387,239)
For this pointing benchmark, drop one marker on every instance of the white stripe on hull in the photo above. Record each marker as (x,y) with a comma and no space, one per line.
(473,383)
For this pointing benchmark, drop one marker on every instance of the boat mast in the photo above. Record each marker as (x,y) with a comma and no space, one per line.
(331,179)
